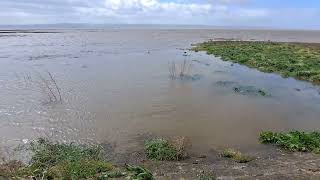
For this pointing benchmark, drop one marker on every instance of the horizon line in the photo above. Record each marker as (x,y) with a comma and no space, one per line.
(236,27)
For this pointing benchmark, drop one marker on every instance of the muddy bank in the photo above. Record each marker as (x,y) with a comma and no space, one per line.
(268,162)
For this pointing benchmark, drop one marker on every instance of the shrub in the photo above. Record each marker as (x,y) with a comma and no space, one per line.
(161,150)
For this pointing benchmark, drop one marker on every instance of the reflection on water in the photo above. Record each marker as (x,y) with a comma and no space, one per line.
(115,85)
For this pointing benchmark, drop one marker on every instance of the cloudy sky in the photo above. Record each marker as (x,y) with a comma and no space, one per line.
(302,14)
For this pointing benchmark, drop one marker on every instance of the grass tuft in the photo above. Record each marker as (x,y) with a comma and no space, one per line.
(235,155)
(293,141)
(162,150)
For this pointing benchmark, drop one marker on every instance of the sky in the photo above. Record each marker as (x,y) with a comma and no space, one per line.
(287,14)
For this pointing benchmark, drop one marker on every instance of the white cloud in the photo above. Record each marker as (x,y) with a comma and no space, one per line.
(150,6)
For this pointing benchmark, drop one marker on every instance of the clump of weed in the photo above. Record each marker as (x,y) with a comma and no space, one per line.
(235,155)
(138,173)
(162,150)
(293,141)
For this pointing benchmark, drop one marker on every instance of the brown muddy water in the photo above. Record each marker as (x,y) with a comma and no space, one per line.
(116,88)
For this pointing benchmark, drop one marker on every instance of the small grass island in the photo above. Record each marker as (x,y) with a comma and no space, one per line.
(297,60)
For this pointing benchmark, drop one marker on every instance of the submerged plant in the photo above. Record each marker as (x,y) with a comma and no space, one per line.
(250,90)
(236,156)
(161,150)
(293,141)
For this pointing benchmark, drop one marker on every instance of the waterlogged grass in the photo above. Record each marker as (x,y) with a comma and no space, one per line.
(298,60)
(235,155)
(68,161)
(162,150)
(293,141)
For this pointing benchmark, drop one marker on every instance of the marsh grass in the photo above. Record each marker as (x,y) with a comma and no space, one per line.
(293,141)
(68,161)
(235,155)
(162,150)
(298,60)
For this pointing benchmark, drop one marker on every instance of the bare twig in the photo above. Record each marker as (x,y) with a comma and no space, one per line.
(56,85)
(184,69)
(50,87)
(45,82)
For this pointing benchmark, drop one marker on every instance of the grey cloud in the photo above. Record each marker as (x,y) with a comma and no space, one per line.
(208,12)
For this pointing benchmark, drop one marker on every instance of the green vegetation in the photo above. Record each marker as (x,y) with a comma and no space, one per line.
(298,60)
(293,141)
(236,156)
(162,150)
(138,173)
(68,161)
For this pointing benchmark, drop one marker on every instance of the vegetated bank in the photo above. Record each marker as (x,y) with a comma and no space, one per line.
(68,161)
(293,141)
(161,158)
(297,60)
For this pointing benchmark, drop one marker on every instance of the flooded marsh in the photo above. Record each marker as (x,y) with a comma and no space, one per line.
(113,85)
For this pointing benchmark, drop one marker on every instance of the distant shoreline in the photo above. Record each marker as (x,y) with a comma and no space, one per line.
(146,26)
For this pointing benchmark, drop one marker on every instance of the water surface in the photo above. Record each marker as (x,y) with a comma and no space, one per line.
(115,87)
